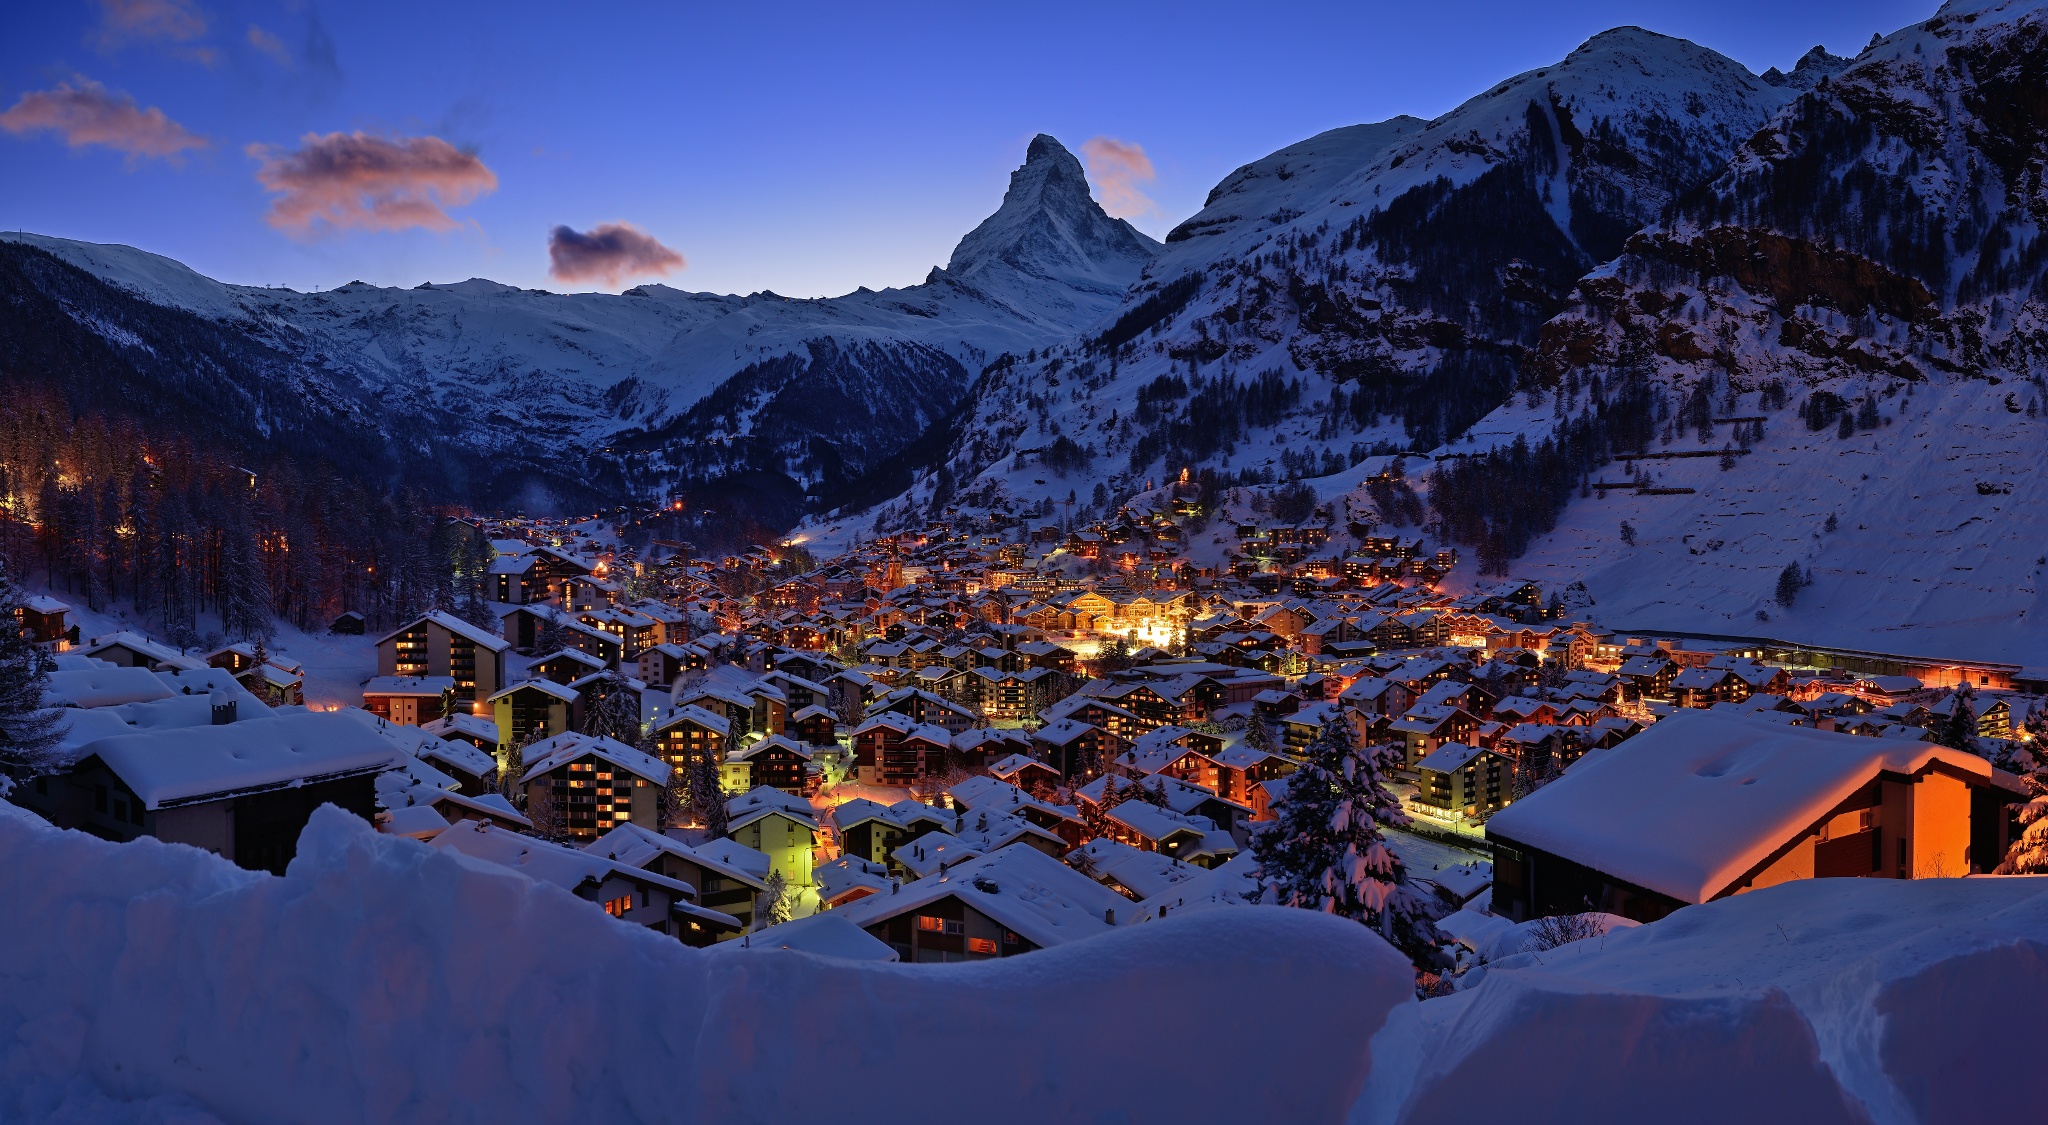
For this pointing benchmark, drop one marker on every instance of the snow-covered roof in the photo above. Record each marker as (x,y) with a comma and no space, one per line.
(1020,887)
(104,687)
(1143,873)
(821,935)
(1696,801)
(550,754)
(407,685)
(638,845)
(482,638)
(934,850)
(180,765)
(764,800)
(134,642)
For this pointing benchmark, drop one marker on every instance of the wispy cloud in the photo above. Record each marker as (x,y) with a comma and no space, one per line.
(270,45)
(358,181)
(84,113)
(1118,167)
(608,252)
(174,22)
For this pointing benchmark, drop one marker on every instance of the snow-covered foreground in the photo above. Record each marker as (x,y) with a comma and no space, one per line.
(385,981)
(1823,1000)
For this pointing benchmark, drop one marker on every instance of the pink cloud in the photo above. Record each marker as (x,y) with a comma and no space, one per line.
(1118,167)
(269,44)
(609,252)
(172,21)
(90,114)
(359,181)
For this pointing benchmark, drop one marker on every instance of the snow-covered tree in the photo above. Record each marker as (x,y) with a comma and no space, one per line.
(29,732)
(550,819)
(1790,581)
(612,709)
(2029,853)
(1958,728)
(552,636)
(776,902)
(1258,735)
(1326,850)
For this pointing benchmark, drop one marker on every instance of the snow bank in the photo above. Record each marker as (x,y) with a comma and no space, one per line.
(380,980)
(1824,1000)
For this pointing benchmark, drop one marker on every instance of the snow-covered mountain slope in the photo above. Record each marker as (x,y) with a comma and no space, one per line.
(1375,286)
(1869,276)
(501,368)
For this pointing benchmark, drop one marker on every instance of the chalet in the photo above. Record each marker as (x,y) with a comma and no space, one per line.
(515,579)
(592,784)
(691,734)
(1025,772)
(1190,839)
(1423,729)
(634,895)
(1706,804)
(535,708)
(815,726)
(1076,749)
(465,748)
(442,644)
(131,650)
(564,666)
(892,749)
(348,623)
(1704,687)
(242,790)
(724,886)
(1465,779)
(868,830)
(780,826)
(777,761)
(1133,872)
(408,701)
(443,807)
(986,794)
(42,618)
(924,707)
(1650,675)
(1009,902)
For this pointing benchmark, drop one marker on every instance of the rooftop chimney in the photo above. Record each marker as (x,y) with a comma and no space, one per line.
(223,708)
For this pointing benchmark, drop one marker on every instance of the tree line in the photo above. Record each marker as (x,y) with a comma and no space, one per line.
(103,511)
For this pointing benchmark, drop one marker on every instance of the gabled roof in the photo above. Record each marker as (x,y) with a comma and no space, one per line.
(1696,801)
(545,687)
(563,866)
(691,713)
(550,754)
(482,638)
(180,765)
(762,801)
(1020,887)
(638,845)
(772,742)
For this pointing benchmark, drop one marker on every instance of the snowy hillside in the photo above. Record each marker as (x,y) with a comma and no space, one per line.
(1867,277)
(1370,288)
(495,367)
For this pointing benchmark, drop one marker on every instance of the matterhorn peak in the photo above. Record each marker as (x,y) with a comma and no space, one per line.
(1049,227)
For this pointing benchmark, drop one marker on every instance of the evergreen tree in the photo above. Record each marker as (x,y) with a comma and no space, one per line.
(776,902)
(552,636)
(612,709)
(2029,853)
(29,732)
(258,664)
(550,819)
(1790,581)
(1958,729)
(1259,736)
(1326,852)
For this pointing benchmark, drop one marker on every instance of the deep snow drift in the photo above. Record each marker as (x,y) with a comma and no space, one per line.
(384,981)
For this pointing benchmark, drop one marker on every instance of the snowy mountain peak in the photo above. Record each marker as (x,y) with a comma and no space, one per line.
(1049,227)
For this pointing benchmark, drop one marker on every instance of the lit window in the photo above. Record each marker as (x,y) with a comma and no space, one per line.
(617,907)
(930,924)
(981,945)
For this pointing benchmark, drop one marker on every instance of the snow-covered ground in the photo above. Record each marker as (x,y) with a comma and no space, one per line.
(381,980)
(1922,563)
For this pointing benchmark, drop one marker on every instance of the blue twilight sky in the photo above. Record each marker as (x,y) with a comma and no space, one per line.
(804,147)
